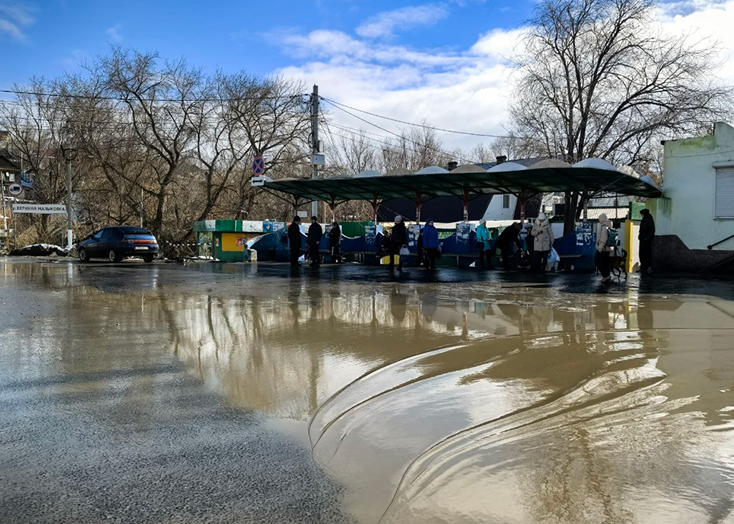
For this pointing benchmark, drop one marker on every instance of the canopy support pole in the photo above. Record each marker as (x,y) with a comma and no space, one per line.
(466,205)
(332,207)
(418,205)
(375,205)
(522,206)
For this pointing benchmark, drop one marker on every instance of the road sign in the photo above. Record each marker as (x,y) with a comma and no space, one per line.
(258,165)
(318,159)
(15,189)
(39,209)
(259,181)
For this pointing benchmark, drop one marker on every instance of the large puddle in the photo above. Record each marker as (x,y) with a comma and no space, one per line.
(458,402)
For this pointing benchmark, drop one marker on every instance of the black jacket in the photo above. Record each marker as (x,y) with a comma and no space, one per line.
(335,235)
(314,234)
(647,228)
(508,237)
(399,234)
(294,234)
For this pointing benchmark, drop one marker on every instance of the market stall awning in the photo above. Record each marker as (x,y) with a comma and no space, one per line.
(468,185)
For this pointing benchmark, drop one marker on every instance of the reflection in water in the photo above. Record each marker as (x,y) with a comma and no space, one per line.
(443,403)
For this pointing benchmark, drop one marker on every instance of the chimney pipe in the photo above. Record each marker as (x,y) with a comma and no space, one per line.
(453,165)
(501,159)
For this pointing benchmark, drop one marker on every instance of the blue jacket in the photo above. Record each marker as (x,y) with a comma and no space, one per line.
(483,234)
(430,237)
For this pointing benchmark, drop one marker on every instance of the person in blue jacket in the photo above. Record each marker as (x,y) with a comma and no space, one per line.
(483,242)
(430,243)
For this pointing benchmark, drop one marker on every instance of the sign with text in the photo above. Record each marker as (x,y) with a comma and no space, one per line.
(39,209)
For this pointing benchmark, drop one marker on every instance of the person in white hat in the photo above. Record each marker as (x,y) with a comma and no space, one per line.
(542,242)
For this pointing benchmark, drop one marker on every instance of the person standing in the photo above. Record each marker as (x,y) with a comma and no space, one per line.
(507,242)
(314,240)
(602,249)
(294,239)
(430,243)
(647,237)
(398,239)
(335,239)
(483,243)
(542,242)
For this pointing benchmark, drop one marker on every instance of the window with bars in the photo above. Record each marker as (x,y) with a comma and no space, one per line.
(724,199)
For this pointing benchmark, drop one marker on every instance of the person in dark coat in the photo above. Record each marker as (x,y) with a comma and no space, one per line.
(398,239)
(646,236)
(430,242)
(315,232)
(335,239)
(294,239)
(421,249)
(507,242)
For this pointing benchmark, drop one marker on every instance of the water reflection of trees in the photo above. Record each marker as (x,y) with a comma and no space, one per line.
(287,351)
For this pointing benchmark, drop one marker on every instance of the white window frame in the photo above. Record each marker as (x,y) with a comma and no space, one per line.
(723,168)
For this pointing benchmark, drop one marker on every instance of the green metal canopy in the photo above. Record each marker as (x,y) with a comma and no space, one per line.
(467,185)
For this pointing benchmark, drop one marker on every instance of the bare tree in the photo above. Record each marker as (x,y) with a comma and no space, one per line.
(599,81)
(511,147)
(161,104)
(415,149)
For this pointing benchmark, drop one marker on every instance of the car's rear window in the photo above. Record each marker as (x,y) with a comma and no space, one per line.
(134,231)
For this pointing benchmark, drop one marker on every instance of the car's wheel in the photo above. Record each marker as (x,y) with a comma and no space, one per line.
(83,255)
(148,258)
(112,256)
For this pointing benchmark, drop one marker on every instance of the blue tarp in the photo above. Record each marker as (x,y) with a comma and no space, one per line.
(274,247)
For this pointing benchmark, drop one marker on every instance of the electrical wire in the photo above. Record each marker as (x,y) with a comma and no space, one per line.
(123,99)
(401,137)
(424,126)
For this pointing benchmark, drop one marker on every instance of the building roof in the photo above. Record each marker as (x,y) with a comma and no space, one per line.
(7,164)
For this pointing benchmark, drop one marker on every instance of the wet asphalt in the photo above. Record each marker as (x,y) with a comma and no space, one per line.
(117,431)
(101,422)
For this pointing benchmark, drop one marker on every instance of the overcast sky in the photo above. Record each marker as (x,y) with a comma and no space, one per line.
(443,62)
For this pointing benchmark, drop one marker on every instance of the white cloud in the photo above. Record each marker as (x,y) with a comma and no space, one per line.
(387,23)
(337,45)
(113,33)
(14,18)
(468,90)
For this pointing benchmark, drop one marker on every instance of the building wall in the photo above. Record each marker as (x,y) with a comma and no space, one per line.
(687,209)
(496,211)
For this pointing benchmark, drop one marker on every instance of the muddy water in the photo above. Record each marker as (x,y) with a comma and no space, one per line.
(450,402)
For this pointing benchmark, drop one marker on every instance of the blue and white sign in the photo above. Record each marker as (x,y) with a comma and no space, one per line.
(584,233)
(370,234)
(26,179)
(463,230)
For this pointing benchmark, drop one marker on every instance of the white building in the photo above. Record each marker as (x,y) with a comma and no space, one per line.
(697,210)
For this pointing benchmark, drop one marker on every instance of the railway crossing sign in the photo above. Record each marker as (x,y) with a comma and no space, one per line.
(15,189)
(258,165)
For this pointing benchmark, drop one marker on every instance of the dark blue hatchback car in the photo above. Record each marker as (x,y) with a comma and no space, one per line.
(117,242)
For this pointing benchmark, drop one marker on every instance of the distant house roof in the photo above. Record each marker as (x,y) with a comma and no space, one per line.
(7,164)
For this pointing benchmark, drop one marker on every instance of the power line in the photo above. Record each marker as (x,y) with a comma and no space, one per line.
(127,99)
(401,137)
(424,126)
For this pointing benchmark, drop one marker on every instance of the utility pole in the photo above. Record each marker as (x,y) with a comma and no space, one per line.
(142,201)
(314,141)
(2,190)
(69,232)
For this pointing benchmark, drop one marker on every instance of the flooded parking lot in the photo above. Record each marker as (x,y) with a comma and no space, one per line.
(164,393)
